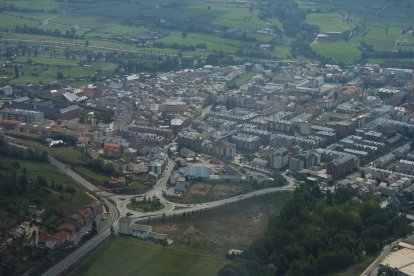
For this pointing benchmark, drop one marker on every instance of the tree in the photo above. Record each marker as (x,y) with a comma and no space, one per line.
(16,71)
(59,75)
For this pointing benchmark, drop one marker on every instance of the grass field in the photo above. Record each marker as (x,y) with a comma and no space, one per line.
(37,70)
(328,22)
(129,256)
(244,78)
(339,51)
(94,177)
(67,155)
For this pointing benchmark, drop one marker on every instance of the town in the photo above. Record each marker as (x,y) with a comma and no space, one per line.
(160,141)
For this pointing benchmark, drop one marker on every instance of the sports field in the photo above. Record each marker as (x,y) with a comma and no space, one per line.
(129,256)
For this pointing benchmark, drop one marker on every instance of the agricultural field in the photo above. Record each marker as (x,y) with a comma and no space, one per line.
(193,29)
(328,22)
(120,25)
(339,51)
(376,23)
(43,70)
(130,256)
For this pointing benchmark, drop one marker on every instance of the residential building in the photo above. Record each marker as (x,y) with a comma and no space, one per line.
(341,166)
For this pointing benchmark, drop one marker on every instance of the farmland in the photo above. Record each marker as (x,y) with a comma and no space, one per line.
(130,256)
(150,31)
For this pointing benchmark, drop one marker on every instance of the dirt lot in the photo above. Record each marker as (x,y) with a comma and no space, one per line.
(201,192)
(218,230)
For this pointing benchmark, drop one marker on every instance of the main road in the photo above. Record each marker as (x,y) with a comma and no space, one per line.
(121,210)
(103,233)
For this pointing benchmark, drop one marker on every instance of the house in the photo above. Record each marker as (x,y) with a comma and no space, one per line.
(140,231)
(67,227)
(157,237)
(33,209)
(77,220)
(112,151)
(7,90)
(46,241)
(61,237)
(87,215)
(96,208)
(119,181)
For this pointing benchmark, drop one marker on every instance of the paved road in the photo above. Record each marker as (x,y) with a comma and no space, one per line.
(104,233)
(121,202)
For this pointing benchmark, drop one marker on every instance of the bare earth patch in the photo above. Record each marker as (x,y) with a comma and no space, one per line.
(218,230)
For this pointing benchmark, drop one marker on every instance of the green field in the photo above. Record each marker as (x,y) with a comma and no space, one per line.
(67,155)
(244,78)
(227,27)
(339,51)
(129,256)
(328,22)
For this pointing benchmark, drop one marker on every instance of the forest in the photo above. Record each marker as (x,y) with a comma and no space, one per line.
(318,234)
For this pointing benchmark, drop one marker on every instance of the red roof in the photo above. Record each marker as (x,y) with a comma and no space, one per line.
(9,122)
(111,145)
(57,129)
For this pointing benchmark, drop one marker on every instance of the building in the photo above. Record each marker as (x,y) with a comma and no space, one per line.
(140,231)
(69,113)
(22,115)
(280,159)
(245,142)
(224,150)
(157,166)
(400,262)
(173,107)
(124,225)
(341,166)
(7,90)
(111,150)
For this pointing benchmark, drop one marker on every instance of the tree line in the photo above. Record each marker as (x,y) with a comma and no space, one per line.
(319,235)
(22,152)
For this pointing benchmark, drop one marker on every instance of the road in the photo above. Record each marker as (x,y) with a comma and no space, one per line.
(104,232)
(121,210)
(373,268)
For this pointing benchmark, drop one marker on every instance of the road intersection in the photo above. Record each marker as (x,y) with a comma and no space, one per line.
(117,208)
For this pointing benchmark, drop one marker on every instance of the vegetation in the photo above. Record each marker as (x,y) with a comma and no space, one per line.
(217,230)
(145,205)
(130,256)
(316,236)
(26,182)
(22,152)
(340,51)
(98,165)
